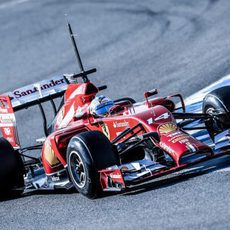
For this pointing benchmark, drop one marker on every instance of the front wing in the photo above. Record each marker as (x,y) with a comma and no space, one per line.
(118,178)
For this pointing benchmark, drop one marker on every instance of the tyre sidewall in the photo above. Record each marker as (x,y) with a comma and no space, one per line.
(91,187)
(97,153)
(216,100)
(11,168)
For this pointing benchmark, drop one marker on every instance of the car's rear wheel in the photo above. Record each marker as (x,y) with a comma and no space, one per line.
(87,153)
(11,170)
(217,105)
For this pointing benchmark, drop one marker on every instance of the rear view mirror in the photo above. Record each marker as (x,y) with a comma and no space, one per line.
(150,93)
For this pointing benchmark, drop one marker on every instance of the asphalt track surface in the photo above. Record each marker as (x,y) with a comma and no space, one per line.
(176,46)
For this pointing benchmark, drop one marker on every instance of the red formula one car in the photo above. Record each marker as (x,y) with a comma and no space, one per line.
(134,143)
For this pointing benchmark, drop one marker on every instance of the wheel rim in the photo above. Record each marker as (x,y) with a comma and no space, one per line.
(77,169)
(216,123)
(211,111)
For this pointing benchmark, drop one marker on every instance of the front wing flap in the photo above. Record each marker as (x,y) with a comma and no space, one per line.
(117,178)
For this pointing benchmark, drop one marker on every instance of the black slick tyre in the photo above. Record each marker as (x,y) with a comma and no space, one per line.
(217,105)
(11,170)
(87,153)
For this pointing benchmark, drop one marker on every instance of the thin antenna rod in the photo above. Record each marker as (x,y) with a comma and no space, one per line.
(75,48)
(83,73)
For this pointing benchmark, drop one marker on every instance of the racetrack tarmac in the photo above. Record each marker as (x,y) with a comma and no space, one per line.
(173,45)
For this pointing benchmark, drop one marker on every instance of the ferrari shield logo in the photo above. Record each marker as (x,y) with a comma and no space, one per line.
(105,130)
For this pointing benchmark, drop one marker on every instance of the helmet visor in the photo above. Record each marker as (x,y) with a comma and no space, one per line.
(104,109)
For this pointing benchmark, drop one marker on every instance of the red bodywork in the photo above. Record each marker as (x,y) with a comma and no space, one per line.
(8,122)
(154,116)
(74,117)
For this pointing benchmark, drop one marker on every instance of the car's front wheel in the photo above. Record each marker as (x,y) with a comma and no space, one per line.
(87,153)
(217,105)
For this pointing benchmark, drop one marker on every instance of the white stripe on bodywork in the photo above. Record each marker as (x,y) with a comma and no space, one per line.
(68,117)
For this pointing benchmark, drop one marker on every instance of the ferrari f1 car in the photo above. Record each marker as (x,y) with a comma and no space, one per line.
(135,143)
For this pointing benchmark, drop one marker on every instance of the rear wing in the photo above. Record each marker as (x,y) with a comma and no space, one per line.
(37,93)
(25,97)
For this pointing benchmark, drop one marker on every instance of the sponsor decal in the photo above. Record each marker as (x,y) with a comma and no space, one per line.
(105,130)
(3,110)
(120,124)
(115,176)
(167,128)
(162,116)
(170,135)
(150,121)
(36,88)
(7,119)
(178,137)
(55,178)
(167,148)
(182,139)
(7,131)
(185,140)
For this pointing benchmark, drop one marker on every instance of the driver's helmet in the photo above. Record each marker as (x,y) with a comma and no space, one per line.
(100,106)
